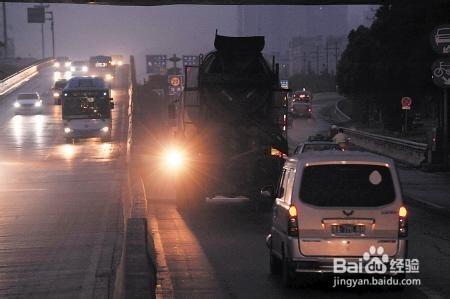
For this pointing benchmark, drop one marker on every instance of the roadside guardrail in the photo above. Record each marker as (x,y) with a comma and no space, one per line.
(10,83)
(406,151)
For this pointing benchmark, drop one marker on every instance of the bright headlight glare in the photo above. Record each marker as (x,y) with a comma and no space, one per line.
(174,158)
(72,69)
(105,129)
(120,62)
(84,68)
(56,94)
(56,64)
(38,104)
(16,104)
(108,77)
(68,63)
(67,130)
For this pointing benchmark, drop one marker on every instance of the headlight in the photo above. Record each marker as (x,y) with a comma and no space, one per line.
(174,158)
(56,64)
(108,77)
(56,76)
(120,62)
(16,104)
(67,64)
(67,130)
(56,94)
(84,68)
(38,104)
(105,129)
(72,69)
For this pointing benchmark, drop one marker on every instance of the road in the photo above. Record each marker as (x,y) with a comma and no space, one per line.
(61,222)
(219,250)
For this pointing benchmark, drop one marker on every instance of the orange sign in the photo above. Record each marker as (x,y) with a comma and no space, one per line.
(175,81)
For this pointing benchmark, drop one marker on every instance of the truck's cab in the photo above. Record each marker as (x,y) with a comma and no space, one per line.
(86,109)
(101,66)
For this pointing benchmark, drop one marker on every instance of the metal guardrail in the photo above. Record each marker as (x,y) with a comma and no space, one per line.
(10,83)
(406,151)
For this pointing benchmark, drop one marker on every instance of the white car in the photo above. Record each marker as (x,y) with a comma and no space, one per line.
(28,102)
(334,205)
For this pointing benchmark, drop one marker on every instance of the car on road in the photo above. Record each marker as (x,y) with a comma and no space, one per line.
(300,103)
(79,68)
(335,205)
(62,62)
(57,90)
(310,146)
(28,103)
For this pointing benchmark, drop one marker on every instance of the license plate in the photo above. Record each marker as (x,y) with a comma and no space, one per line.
(348,229)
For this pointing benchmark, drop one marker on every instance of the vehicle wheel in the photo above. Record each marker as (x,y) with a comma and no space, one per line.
(287,274)
(274,263)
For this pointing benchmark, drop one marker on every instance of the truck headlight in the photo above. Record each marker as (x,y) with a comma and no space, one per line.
(105,129)
(174,158)
(16,104)
(56,94)
(38,104)
(67,130)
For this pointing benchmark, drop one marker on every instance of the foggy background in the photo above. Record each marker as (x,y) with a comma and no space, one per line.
(85,30)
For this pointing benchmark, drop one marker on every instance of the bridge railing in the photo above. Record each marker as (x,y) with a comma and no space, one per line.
(10,83)
(406,151)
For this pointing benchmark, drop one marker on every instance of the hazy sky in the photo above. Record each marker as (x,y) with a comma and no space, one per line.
(85,30)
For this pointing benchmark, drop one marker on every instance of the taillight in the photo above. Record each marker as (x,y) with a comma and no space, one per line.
(293,222)
(402,222)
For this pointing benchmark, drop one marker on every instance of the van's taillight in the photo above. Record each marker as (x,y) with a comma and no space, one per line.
(293,222)
(402,222)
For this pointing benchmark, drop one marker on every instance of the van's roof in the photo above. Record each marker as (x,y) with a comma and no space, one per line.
(336,156)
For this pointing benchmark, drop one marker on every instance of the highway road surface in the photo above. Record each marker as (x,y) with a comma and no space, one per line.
(61,222)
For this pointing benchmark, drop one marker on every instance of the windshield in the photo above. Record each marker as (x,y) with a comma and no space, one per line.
(347,185)
(320,147)
(24,96)
(86,107)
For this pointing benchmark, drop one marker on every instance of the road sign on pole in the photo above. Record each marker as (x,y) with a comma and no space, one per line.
(36,14)
(156,64)
(441,72)
(440,39)
(175,84)
(406,103)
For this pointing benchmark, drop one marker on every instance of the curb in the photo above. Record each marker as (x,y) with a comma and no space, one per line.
(425,204)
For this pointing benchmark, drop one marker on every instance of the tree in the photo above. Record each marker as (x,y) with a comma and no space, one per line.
(393,57)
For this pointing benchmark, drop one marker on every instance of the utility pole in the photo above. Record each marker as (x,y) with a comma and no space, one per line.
(5,30)
(52,28)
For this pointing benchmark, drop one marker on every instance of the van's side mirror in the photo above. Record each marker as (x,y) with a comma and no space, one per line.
(267,193)
(111,103)
(171,111)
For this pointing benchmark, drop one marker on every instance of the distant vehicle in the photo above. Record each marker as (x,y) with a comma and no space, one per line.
(101,66)
(300,103)
(62,62)
(57,90)
(28,102)
(316,146)
(442,36)
(86,109)
(117,60)
(326,198)
(79,68)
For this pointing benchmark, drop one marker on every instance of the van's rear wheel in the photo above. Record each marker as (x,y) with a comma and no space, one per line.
(274,263)
(287,274)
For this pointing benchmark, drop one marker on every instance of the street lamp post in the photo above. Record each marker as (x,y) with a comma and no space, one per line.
(52,28)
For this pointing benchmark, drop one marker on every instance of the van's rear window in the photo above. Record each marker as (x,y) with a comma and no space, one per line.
(347,185)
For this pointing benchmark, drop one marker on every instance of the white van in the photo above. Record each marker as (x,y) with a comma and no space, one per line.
(335,205)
